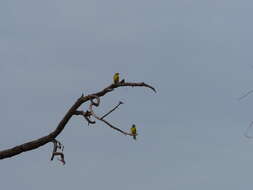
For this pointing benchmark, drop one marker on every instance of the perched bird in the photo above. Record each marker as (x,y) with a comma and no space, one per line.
(134,131)
(116,78)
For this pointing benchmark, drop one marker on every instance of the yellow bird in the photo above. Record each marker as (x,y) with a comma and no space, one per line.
(134,131)
(116,78)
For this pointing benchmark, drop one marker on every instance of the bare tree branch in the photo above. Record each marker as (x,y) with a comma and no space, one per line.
(72,111)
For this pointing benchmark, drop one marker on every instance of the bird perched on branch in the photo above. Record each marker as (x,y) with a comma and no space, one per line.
(116,78)
(134,131)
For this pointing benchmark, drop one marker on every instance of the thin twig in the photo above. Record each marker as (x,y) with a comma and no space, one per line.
(245,95)
(112,110)
(247,131)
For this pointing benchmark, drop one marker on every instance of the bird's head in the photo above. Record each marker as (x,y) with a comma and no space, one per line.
(116,73)
(133,126)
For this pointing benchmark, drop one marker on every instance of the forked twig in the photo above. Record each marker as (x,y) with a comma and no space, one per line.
(103,120)
(58,145)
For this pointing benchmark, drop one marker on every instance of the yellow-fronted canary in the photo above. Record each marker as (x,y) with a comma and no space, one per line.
(134,131)
(116,78)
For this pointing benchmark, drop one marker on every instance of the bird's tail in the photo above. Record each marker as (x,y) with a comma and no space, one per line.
(134,137)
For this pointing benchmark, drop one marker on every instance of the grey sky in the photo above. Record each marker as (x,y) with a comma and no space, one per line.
(198,54)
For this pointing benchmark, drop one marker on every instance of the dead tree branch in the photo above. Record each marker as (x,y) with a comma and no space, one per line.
(72,111)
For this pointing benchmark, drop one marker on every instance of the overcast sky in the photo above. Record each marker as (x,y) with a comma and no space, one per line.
(197,53)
